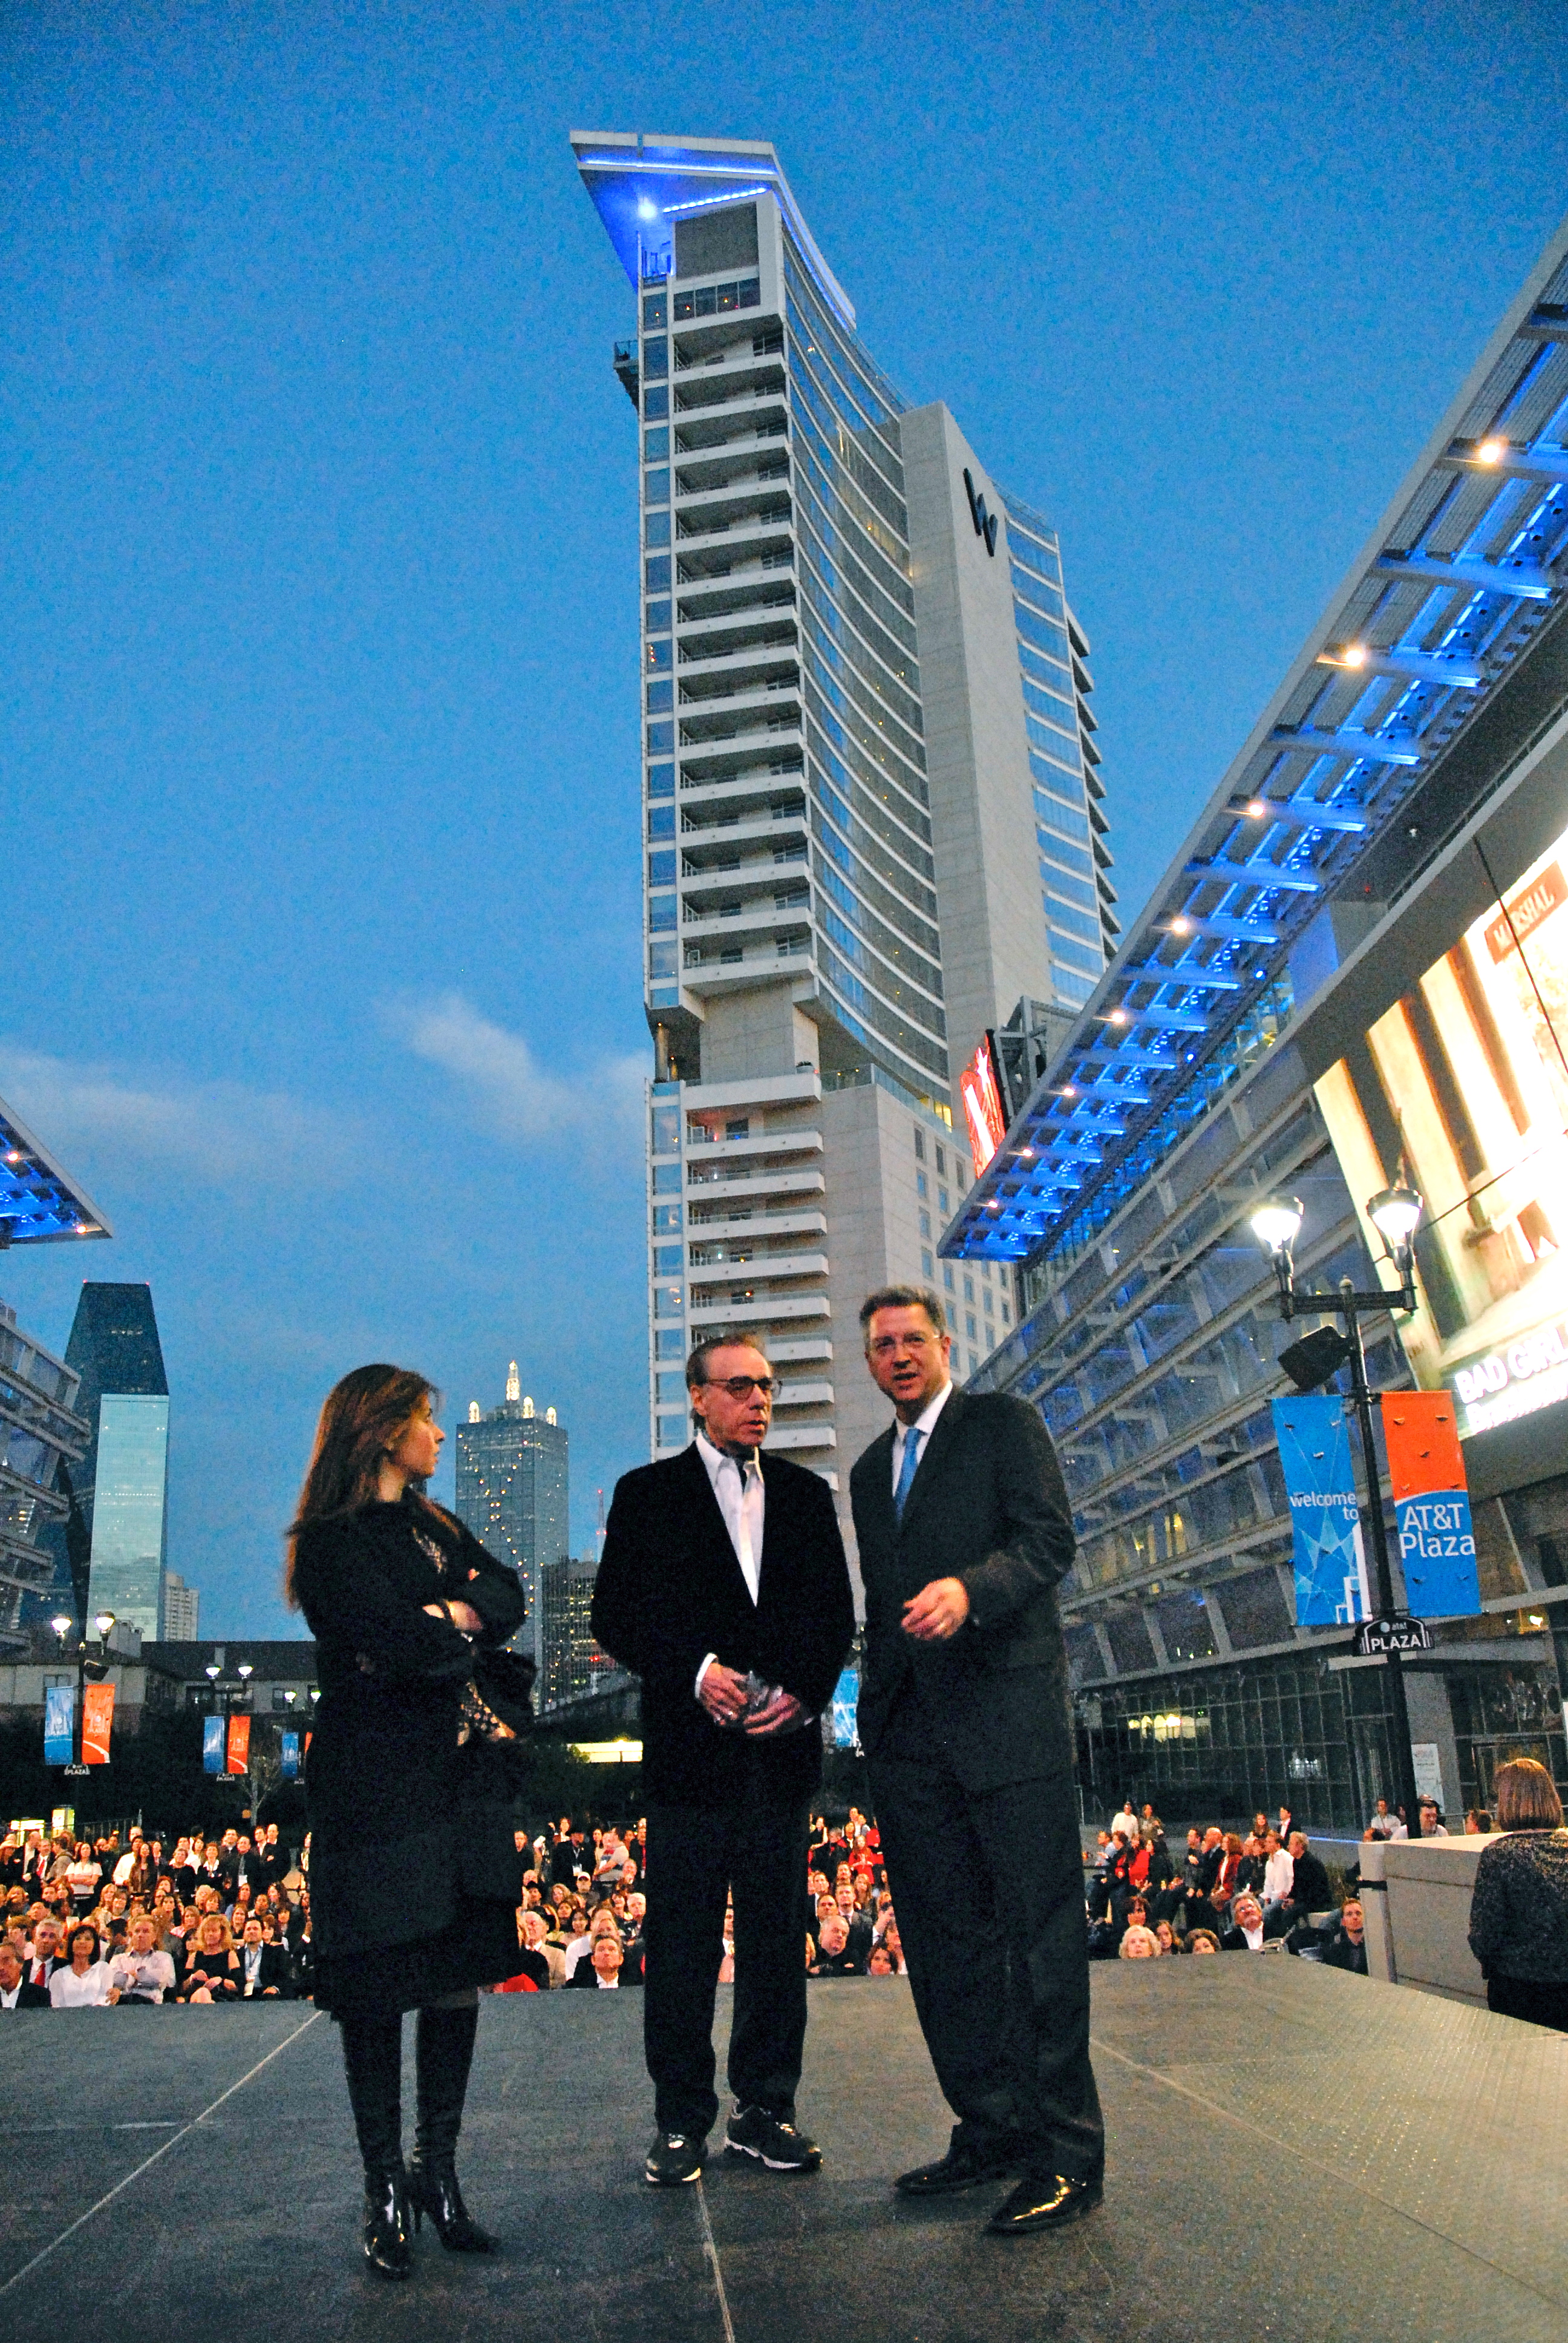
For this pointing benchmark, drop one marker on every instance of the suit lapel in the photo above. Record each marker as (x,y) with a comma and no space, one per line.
(936,1446)
(879,1483)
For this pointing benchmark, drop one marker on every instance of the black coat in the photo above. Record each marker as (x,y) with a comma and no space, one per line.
(399,1830)
(988,1505)
(670,1590)
(33,1996)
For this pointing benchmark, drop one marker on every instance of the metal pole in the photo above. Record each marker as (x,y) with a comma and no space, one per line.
(1403,1755)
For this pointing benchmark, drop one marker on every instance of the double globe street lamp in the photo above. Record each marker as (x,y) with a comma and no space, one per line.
(104,1627)
(1395,1213)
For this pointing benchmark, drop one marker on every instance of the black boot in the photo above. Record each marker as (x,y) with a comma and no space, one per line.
(373,2062)
(445,2053)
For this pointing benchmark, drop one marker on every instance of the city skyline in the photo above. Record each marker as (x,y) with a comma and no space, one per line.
(320,707)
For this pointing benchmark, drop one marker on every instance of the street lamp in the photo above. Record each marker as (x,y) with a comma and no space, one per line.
(62,1623)
(97,1669)
(1394,1212)
(104,1622)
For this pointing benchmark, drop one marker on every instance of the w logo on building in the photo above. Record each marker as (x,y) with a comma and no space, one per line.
(985,522)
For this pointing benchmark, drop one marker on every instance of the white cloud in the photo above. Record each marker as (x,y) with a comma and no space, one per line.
(517,1097)
(218,1131)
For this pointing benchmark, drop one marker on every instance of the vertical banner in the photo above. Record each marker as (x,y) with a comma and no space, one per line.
(846,1700)
(97,1720)
(1431,1506)
(59,1725)
(290,1756)
(239,1743)
(212,1746)
(1325,1512)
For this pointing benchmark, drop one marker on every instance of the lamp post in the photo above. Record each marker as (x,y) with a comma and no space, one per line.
(103,1624)
(1394,1212)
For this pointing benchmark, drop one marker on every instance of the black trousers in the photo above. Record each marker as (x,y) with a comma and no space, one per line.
(755,1850)
(988,1887)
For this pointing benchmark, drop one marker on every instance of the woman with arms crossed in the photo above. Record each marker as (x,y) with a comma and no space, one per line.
(413,1873)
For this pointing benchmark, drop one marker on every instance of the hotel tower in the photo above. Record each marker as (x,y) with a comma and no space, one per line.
(876,865)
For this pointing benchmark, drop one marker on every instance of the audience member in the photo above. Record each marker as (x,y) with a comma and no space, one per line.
(82,1981)
(1519,1907)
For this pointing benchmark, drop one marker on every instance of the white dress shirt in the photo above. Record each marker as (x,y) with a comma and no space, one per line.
(921,1430)
(1279,1876)
(742,1499)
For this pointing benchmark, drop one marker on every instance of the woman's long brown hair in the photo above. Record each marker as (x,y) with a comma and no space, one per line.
(362,1419)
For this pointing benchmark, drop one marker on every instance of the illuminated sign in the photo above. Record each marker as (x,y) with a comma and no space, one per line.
(1466,1078)
(981,1095)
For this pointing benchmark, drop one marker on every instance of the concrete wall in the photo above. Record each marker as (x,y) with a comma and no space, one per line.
(1415,1894)
(989,898)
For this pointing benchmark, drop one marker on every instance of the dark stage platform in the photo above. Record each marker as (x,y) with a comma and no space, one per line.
(1293,2153)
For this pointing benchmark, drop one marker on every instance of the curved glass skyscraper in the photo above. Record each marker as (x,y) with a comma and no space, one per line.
(872,819)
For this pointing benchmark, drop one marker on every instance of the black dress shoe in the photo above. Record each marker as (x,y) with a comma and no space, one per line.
(1044,2201)
(965,2165)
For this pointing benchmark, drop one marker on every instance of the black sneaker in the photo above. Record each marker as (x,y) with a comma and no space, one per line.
(753,2131)
(674,2158)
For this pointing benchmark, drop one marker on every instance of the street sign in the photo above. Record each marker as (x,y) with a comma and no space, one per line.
(1398,1632)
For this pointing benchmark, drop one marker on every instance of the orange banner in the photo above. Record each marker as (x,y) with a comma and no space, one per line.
(239,1743)
(1423,1442)
(98,1721)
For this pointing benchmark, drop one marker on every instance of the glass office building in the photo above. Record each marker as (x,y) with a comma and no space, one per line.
(872,812)
(122,1485)
(512,1493)
(1352,973)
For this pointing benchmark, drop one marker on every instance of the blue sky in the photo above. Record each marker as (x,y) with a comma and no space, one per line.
(317,713)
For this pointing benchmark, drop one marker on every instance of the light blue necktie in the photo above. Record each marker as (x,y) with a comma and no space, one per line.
(906,1469)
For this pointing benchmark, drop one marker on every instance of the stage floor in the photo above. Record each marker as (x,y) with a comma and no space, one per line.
(1292,2152)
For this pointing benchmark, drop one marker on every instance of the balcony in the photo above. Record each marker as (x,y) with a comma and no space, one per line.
(703,390)
(738,643)
(802,1435)
(765,1310)
(731,1227)
(767,427)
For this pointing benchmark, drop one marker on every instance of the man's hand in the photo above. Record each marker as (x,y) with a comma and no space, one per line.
(937,1610)
(723,1694)
(780,1714)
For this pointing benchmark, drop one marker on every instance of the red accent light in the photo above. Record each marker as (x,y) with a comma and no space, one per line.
(984,1109)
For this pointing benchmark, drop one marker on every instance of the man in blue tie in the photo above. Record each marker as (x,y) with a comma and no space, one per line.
(964,1536)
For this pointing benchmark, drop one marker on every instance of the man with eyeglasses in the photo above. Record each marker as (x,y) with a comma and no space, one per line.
(724,1586)
(965,1533)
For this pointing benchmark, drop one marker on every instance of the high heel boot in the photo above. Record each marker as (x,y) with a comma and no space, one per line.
(445,2053)
(373,2062)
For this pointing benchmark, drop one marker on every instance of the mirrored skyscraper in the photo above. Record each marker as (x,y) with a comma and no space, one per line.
(122,1484)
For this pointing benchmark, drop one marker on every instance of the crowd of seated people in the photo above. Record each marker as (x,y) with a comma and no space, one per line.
(93,1924)
(1226,1891)
(581,1914)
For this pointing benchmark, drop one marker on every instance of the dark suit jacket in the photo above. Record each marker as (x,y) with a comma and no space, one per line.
(670,1590)
(33,1996)
(987,1505)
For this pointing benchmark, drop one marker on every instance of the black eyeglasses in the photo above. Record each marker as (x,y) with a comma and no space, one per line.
(742,1386)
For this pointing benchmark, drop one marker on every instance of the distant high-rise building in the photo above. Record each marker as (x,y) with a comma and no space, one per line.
(872,815)
(574,1662)
(512,1493)
(182,1607)
(122,1484)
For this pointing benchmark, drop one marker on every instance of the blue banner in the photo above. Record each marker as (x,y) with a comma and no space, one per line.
(290,1756)
(1325,1512)
(59,1725)
(213,1746)
(846,1700)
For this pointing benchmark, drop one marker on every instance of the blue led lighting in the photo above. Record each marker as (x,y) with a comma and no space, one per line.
(1406,657)
(39,1202)
(680,175)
